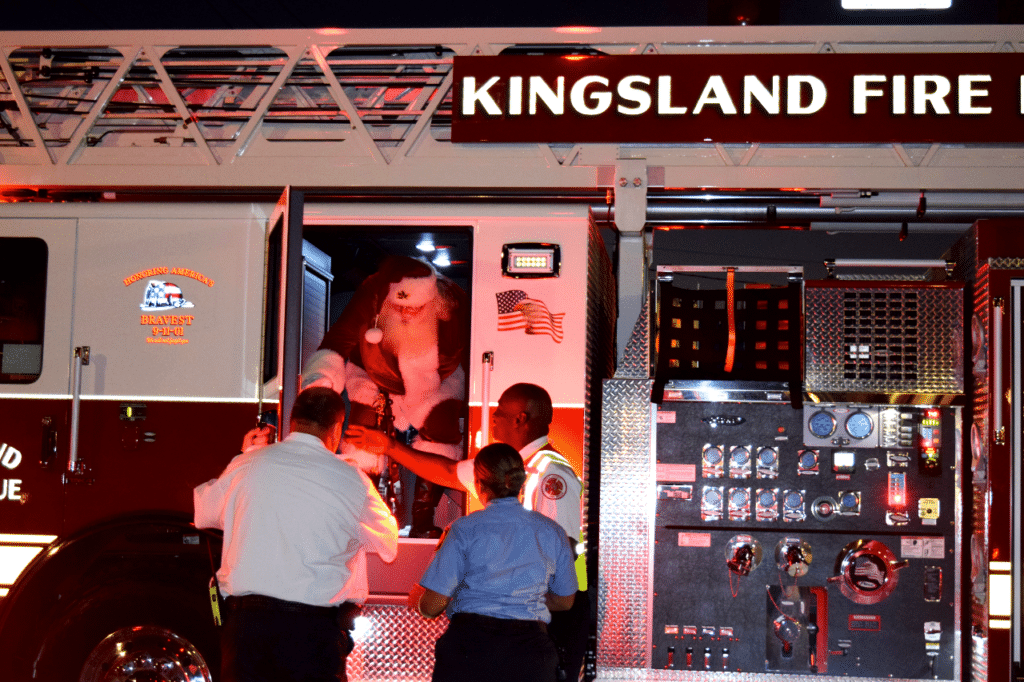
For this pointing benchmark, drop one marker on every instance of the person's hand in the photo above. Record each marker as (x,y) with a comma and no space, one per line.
(258,437)
(370,440)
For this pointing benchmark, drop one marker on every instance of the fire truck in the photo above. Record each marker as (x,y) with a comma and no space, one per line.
(781,270)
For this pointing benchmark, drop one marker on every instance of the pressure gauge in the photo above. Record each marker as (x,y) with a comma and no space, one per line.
(859,425)
(739,504)
(740,456)
(849,503)
(767,457)
(713,455)
(713,497)
(807,462)
(739,497)
(821,424)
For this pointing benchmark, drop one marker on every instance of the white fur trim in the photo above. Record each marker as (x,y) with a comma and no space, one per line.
(361,388)
(361,459)
(324,368)
(414,409)
(412,292)
(411,408)
(419,376)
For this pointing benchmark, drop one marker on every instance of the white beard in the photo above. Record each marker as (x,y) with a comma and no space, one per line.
(414,343)
(411,338)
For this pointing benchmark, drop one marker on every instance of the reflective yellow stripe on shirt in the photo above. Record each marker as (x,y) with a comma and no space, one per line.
(536,467)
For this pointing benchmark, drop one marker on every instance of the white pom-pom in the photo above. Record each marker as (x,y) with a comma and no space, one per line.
(373,335)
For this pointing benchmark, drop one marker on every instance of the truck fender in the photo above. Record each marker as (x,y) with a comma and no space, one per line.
(148,571)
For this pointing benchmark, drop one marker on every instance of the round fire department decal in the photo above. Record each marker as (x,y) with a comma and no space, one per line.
(553,486)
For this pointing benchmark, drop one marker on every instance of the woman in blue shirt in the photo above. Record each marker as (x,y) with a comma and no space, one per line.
(499,573)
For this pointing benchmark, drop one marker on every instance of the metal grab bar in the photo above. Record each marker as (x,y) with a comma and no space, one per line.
(886,263)
(80,358)
(485,398)
(998,428)
(1016,576)
(832,264)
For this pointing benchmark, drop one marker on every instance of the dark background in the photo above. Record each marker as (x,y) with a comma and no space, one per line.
(265,14)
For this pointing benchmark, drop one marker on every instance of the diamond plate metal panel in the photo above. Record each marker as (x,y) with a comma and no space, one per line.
(600,361)
(397,644)
(894,340)
(627,514)
(635,361)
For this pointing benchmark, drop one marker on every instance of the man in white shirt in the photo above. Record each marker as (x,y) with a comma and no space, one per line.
(298,522)
(521,419)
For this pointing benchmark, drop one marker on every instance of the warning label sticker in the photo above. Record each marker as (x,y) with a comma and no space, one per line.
(695,539)
(922,548)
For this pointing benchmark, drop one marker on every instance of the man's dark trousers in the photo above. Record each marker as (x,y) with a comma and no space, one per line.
(271,640)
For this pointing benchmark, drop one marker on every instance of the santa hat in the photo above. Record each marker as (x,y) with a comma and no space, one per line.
(409,281)
(413,292)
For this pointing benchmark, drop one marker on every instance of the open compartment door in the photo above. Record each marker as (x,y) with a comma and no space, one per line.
(997,577)
(282,305)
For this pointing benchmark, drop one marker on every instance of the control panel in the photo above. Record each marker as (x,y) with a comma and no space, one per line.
(817,541)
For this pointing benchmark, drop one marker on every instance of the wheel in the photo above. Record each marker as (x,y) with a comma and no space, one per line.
(145,653)
(134,633)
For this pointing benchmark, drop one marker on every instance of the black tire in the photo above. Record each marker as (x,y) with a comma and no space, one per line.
(166,635)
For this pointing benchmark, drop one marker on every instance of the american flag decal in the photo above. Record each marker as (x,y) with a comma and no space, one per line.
(516,310)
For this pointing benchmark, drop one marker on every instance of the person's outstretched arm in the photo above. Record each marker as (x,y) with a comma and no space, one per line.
(435,468)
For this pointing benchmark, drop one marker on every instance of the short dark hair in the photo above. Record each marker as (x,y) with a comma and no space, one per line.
(318,405)
(538,401)
(499,469)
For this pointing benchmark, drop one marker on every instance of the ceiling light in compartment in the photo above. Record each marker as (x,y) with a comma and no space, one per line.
(442,259)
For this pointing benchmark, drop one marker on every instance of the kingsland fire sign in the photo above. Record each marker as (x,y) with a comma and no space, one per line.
(788,98)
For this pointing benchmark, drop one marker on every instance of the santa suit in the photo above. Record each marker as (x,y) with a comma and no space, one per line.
(405,331)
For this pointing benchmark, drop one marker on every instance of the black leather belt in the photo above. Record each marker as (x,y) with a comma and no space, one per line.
(493,624)
(260,602)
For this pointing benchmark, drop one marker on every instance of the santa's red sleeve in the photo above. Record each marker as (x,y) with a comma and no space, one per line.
(359,315)
(326,367)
